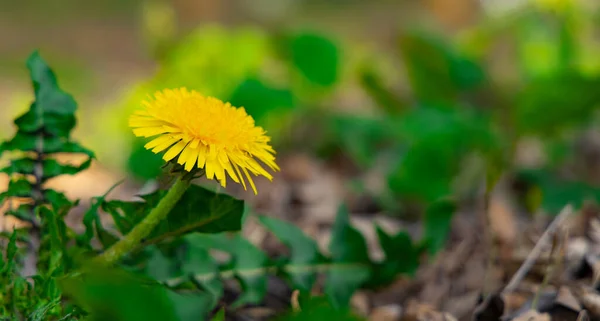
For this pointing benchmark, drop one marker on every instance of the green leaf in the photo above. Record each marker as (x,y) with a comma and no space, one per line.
(261,100)
(190,306)
(53,109)
(23,212)
(351,263)
(248,263)
(19,188)
(11,252)
(557,191)
(362,137)
(90,218)
(550,105)
(198,210)
(316,57)
(57,199)
(143,163)
(51,167)
(304,251)
(19,166)
(438,219)
(110,294)
(159,267)
(430,61)
(219,316)
(42,312)
(52,144)
(437,141)
(388,101)
(401,257)
(319,308)
(56,239)
(204,271)
(93,224)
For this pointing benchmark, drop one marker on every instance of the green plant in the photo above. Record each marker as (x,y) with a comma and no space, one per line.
(144,268)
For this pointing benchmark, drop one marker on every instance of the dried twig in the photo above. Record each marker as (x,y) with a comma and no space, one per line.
(554,253)
(537,249)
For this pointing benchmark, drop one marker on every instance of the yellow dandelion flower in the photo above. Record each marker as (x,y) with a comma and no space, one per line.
(204,132)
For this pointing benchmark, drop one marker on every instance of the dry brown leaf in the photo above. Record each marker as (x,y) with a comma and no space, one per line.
(515,300)
(590,300)
(532,315)
(503,224)
(424,312)
(566,298)
(391,312)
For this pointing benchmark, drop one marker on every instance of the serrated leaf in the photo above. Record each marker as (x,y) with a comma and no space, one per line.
(438,219)
(56,239)
(351,264)
(11,252)
(248,263)
(304,251)
(198,210)
(19,166)
(18,188)
(58,200)
(51,167)
(92,223)
(51,144)
(53,109)
(316,57)
(24,212)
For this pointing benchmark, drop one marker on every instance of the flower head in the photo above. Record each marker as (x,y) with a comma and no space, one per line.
(203,132)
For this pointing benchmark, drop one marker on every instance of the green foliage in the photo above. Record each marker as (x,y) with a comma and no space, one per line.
(199,210)
(319,308)
(438,141)
(261,99)
(456,107)
(438,218)
(436,71)
(110,294)
(42,131)
(550,105)
(315,57)
(64,287)
(347,268)
(143,163)
(556,191)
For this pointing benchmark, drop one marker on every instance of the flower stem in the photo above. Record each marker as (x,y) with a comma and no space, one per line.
(143,228)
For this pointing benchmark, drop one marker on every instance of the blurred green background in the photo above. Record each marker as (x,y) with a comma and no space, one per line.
(437,94)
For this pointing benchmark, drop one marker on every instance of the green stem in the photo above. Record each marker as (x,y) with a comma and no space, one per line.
(143,228)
